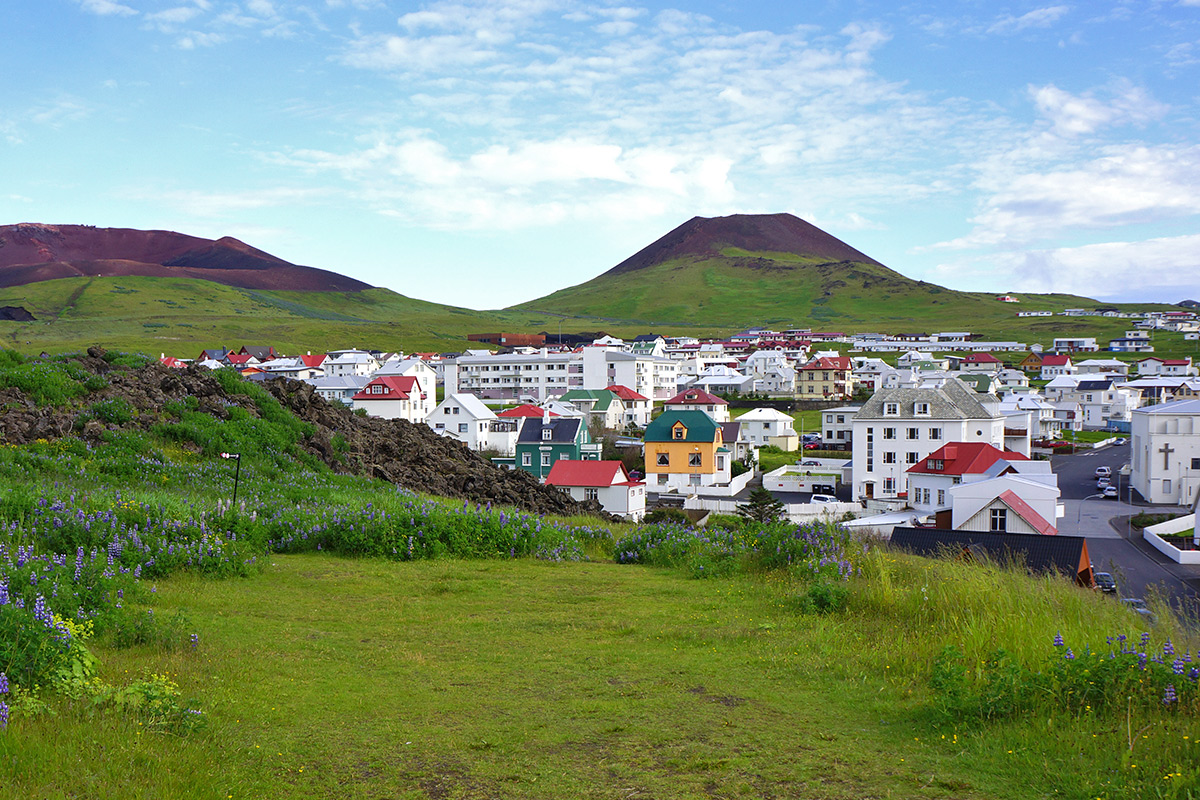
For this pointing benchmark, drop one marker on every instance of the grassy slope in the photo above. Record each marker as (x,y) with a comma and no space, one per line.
(327,677)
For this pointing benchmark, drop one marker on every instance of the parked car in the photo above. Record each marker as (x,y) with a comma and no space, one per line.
(1105,582)
(1138,606)
(810,463)
(823,498)
(1110,493)
(1120,440)
(813,446)
(1103,472)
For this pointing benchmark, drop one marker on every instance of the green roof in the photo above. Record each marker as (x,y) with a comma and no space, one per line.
(603,397)
(700,427)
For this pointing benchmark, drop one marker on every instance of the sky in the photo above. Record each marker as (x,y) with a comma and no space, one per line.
(485,153)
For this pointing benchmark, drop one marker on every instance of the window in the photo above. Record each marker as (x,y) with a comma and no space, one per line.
(914,433)
(526,460)
(546,434)
(1196,463)
(456,410)
(841,419)
(591,494)
(891,409)
(829,419)
(720,462)
(921,409)
(693,459)
(439,426)
(663,460)
(678,432)
(941,497)
(936,464)
(694,480)
(912,458)
(446,410)
(545,459)
(1166,485)
(889,485)
(563,456)
(889,458)
(935,433)
(999,520)
(889,433)
(462,427)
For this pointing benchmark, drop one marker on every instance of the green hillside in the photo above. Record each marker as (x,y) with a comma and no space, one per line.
(180,316)
(736,289)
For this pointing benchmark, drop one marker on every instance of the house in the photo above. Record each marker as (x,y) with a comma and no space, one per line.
(1032,414)
(837,425)
(341,363)
(721,379)
(599,405)
(897,428)
(766,426)
(543,440)
(937,487)
(698,400)
(685,450)
(338,390)
(261,352)
(1165,452)
(1102,366)
(1166,367)
(606,482)
(741,448)
(1054,365)
(464,418)
(1075,344)
(984,363)
(1065,555)
(826,378)
(171,362)
(638,408)
(213,354)
(393,397)
(1031,362)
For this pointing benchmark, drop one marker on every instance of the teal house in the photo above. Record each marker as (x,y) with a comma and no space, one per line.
(544,440)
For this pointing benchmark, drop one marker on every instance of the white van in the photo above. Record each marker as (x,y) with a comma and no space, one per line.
(823,498)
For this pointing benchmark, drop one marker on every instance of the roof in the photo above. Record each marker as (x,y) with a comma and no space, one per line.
(567,472)
(1094,385)
(1066,555)
(471,404)
(699,427)
(602,398)
(730,431)
(1055,360)
(524,411)
(313,361)
(951,400)
(563,430)
(984,358)
(396,387)
(825,362)
(1026,512)
(625,393)
(964,458)
(1178,407)
(695,397)
(765,415)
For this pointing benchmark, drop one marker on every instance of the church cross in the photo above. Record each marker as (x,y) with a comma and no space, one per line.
(1166,450)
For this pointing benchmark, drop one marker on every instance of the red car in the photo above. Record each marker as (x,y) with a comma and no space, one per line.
(813,446)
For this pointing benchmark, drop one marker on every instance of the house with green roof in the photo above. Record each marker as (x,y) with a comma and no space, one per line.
(685,450)
(602,405)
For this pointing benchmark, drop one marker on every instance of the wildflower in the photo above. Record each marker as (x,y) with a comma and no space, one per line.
(3,716)
(195,640)
(3,683)
(1168,648)
(1058,640)
(1169,695)
(1069,655)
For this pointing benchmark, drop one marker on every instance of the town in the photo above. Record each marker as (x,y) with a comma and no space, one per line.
(937,431)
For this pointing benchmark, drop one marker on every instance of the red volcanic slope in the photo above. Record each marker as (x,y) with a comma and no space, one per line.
(31,252)
(776,233)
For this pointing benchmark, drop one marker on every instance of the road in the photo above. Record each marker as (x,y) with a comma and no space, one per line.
(1113,544)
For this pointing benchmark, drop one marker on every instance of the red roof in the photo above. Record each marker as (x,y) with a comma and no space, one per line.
(172,362)
(313,361)
(396,387)
(964,458)
(982,358)
(625,393)
(695,397)
(237,359)
(1055,360)
(525,411)
(1026,512)
(826,362)
(565,472)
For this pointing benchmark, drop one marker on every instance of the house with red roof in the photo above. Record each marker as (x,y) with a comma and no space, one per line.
(1056,364)
(980,362)
(976,486)
(394,397)
(638,407)
(826,378)
(606,482)
(241,361)
(523,411)
(699,400)
(1166,367)
(172,362)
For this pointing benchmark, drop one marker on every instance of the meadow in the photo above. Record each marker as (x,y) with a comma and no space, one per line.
(331,636)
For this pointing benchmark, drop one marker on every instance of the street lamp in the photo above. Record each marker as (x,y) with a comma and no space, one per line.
(237,471)
(1079,509)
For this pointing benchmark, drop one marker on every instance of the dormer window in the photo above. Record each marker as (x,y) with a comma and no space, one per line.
(546,434)
(921,409)
(891,409)
(678,432)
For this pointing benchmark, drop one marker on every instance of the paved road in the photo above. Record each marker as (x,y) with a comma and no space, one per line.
(1114,546)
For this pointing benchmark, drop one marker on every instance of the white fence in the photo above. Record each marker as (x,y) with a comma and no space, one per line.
(1154,533)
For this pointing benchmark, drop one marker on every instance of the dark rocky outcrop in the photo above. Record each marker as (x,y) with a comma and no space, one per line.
(396,451)
(15,314)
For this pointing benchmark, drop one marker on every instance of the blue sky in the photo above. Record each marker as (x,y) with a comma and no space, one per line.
(487,153)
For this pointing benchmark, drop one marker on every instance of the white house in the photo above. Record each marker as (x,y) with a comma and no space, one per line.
(652,376)
(465,418)
(766,426)
(1166,367)
(606,482)
(539,374)
(411,367)
(837,424)
(1165,452)
(341,363)
(393,397)
(638,408)
(697,400)
(897,428)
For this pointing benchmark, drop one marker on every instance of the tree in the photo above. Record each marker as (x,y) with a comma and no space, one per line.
(761,507)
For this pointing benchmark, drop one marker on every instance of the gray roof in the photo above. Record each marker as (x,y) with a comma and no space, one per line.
(1094,385)
(563,430)
(952,400)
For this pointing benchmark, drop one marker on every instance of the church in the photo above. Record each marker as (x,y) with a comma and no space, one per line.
(1165,459)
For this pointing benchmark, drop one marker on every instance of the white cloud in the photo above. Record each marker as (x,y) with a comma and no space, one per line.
(1072,115)
(171,19)
(106,8)
(421,54)
(1038,18)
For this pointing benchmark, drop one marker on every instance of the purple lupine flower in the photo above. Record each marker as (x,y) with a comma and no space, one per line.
(195,640)
(1145,639)
(1168,648)
(3,683)
(1169,695)
(1177,667)
(1069,655)
(3,716)
(1058,640)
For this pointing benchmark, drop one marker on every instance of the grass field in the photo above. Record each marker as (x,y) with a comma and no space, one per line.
(328,677)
